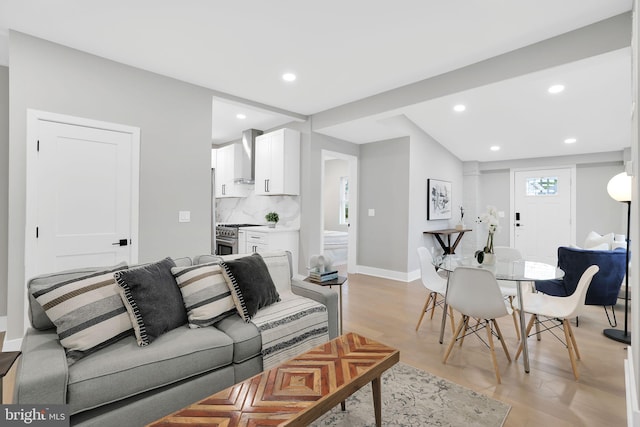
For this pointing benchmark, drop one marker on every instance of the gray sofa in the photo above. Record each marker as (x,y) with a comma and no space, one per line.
(123,384)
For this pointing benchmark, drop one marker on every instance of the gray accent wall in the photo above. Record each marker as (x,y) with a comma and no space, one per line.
(175,149)
(4,184)
(384,187)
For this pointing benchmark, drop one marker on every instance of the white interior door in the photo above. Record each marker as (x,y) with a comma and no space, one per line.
(83,207)
(544,203)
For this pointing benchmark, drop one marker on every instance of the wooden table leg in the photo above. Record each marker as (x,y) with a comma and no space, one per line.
(377,400)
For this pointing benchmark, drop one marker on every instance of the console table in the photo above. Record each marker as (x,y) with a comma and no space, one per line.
(448,248)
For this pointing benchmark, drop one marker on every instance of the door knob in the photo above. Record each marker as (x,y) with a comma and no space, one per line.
(121,242)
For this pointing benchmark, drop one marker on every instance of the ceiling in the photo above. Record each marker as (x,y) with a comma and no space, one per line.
(346,51)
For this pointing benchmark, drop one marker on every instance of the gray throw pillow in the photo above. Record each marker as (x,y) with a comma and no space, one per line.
(153,300)
(250,284)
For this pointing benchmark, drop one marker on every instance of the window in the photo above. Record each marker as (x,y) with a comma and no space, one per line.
(344,200)
(544,186)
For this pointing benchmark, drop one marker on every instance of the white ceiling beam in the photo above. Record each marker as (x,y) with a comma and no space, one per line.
(595,39)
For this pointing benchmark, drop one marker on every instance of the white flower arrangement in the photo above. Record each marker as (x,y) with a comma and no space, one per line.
(490,217)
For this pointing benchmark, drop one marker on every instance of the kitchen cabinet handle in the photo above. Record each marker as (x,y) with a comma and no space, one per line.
(224,189)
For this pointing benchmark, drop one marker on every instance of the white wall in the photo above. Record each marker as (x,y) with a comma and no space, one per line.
(175,158)
(334,170)
(4,184)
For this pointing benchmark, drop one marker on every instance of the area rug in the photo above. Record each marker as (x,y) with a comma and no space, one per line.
(412,397)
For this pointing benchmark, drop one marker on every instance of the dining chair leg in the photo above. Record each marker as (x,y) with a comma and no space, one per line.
(493,350)
(526,334)
(433,305)
(515,318)
(453,339)
(538,334)
(424,310)
(573,340)
(501,338)
(464,333)
(453,326)
(567,335)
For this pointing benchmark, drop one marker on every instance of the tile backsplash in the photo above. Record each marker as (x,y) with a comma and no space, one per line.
(252,209)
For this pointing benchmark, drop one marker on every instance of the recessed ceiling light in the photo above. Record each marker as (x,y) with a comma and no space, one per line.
(459,108)
(241,116)
(570,140)
(288,77)
(494,148)
(556,88)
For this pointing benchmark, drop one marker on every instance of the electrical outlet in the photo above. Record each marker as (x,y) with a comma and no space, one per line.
(372,212)
(184,216)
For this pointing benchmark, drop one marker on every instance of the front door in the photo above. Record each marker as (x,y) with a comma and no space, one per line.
(543,201)
(84,201)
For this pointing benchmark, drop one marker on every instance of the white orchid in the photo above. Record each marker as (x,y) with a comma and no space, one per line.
(490,217)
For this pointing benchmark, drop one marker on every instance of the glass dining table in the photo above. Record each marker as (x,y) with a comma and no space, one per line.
(517,271)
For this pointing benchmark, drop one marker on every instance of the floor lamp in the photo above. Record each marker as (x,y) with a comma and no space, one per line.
(619,188)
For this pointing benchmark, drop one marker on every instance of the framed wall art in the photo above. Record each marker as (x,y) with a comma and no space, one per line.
(438,199)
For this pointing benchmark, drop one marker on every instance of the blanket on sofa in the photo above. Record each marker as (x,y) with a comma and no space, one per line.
(290,327)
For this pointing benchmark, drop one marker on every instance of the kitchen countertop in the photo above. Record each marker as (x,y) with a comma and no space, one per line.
(267,229)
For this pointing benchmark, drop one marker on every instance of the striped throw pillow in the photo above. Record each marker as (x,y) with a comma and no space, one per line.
(88,313)
(205,293)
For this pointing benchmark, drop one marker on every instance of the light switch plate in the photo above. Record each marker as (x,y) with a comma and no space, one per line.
(372,212)
(184,216)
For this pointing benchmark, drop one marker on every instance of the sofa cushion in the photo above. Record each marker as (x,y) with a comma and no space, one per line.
(206,295)
(37,316)
(278,263)
(153,300)
(123,369)
(247,341)
(87,311)
(250,283)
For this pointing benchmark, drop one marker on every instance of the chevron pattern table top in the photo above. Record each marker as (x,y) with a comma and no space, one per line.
(296,392)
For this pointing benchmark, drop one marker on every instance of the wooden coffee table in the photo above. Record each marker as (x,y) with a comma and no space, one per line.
(298,391)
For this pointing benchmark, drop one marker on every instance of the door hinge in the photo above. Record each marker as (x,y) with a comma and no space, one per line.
(37,232)
(38,146)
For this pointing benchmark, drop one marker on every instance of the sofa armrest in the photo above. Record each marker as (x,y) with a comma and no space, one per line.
(327,297)
(42,369)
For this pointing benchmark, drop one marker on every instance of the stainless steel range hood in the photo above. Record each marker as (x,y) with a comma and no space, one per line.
(249,156)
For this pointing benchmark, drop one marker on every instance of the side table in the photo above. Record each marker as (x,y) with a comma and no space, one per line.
(341,280)
(6,362)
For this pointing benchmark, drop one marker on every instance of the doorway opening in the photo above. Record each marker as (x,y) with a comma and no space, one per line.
(338,204)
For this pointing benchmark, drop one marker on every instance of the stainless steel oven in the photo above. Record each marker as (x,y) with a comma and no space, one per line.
(227,238)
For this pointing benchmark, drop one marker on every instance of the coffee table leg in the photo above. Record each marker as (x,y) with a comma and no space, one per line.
(377,400)
(343,405)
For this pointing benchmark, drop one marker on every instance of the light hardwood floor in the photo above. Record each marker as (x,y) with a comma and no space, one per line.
(388,311)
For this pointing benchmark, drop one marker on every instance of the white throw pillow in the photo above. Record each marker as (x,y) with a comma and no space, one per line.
(594,239)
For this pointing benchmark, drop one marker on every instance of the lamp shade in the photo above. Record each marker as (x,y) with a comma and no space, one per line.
(619,187)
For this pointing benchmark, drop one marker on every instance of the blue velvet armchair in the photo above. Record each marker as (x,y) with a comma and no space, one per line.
(605,285)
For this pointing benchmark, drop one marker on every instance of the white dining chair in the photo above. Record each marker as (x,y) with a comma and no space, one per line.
(435,284)
(556,312)
(509,287)
(475,293)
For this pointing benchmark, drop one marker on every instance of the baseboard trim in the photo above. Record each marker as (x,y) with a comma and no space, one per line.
(633,412)
(11,345)
(389,274)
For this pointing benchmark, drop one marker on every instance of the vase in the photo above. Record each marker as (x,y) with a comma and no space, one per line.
(489,259)
(272,225)
(460,226)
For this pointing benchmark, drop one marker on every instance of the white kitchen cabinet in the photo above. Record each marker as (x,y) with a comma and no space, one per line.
(264,239)
(277,166)
(230,165)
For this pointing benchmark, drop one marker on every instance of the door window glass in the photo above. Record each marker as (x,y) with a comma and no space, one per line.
(543,186)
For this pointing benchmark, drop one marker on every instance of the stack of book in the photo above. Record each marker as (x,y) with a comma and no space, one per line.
(316,276)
